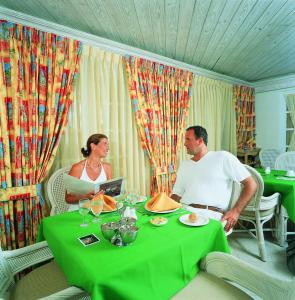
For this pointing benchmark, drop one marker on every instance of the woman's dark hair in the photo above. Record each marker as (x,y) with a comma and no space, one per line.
(95,139)
(200,132)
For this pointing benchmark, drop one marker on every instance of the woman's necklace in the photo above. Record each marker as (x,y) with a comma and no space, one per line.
(94,167)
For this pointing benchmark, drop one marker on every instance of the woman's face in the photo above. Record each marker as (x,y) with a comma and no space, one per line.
(101,149)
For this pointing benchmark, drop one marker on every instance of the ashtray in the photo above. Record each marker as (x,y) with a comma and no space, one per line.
(158,221)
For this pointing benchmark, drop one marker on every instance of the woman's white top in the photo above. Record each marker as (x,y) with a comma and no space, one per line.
(84,176)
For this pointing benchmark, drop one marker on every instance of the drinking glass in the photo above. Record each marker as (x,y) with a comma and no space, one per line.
(96,208)
(84,207)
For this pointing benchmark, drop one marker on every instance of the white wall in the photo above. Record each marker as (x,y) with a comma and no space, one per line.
(270,109)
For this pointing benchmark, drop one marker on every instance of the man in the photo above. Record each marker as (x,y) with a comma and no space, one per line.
(205,181)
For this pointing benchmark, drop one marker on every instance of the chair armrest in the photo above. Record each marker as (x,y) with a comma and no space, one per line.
(270,201)
(237,271)
(23,258)
(69,293)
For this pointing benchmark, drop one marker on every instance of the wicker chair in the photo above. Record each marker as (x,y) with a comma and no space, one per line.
(285,161)
(268,157)
(44,282)
(259,210)
(218,268)
(56,192)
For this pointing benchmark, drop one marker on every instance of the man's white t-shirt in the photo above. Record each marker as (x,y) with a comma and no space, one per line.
(209,180)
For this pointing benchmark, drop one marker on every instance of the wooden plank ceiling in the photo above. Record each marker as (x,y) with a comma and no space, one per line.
(245,39)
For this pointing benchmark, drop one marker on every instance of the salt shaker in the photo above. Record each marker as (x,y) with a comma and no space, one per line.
(267,170)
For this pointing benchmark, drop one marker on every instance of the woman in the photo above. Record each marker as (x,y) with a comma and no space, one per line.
(91,169)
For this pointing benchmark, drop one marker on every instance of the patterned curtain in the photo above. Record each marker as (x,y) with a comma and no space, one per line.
(160,97)
(245,115)
(36,78)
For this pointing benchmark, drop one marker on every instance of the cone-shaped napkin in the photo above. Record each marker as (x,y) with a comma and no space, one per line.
(161,202)
(109,203)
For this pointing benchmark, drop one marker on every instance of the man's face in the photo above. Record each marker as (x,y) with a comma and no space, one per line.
(191,143)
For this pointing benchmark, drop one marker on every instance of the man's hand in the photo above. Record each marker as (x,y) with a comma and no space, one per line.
(231,217)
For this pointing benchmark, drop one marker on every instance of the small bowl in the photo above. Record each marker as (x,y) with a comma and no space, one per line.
(109,229)
(128,234)
(159,221)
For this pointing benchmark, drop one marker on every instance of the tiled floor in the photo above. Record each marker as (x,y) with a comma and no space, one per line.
(246,248)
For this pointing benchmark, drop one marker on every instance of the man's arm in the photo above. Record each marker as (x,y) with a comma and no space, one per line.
(175,197)
(232,215)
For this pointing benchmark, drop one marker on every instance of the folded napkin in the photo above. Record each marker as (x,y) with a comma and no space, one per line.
(161,202)
(109,203)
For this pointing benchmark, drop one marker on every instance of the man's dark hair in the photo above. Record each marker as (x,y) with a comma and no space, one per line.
(200,132)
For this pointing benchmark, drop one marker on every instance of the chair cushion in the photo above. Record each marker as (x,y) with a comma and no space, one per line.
(206,286)
(41,282)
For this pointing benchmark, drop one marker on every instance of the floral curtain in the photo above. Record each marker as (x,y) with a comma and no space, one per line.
(160,97)
(36,77)
(245,117)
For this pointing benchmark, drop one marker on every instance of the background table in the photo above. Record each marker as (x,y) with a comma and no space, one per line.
(158,264)
(286,188)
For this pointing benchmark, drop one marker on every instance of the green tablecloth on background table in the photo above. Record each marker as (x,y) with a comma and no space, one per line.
(159,263)
(286,188)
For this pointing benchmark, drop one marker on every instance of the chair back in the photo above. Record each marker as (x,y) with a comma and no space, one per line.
(268,157)
(286,161)
(56,192)
(237,189)
(6,276)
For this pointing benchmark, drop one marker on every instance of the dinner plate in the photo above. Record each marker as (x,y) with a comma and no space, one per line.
(285,178)
(158,221)
(161,212)
(108,211)
(200,221)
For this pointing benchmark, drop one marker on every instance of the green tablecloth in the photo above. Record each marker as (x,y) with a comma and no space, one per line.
(158,264)
(286,188)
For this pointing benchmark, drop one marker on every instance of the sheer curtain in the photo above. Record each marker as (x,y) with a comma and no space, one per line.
(102,105)
(212,106)
(290,102)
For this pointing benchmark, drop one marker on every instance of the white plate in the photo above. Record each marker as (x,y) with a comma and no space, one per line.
(161,212)
(162,222)
(200,221)
(108,211)
(285,178)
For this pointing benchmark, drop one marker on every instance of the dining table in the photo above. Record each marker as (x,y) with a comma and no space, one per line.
(277,181)
(160,262)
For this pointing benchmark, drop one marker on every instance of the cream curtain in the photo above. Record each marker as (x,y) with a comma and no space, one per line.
(212,106)
(102,105)
(290,101)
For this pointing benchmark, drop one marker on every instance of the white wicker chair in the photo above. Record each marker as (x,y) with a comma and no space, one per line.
(44,282)
(268,157)
(285,161)
(218,268)
(56,192)
(259,210)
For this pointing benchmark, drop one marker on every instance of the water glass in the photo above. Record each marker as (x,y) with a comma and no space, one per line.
(96,208)
(84,207)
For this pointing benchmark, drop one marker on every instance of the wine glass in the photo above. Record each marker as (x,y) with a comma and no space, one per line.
(84,207)
(96,208)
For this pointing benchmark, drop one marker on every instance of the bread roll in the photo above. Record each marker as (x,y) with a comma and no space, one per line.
(193,218)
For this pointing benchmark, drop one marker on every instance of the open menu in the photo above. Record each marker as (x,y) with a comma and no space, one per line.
(74,185)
